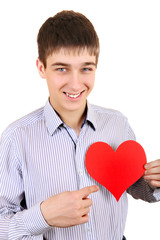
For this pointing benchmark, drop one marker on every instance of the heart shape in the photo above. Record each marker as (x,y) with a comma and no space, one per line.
(116,170)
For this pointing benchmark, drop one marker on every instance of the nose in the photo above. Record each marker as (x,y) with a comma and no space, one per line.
(75,81)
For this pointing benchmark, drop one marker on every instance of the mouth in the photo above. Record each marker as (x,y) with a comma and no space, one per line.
(73,96)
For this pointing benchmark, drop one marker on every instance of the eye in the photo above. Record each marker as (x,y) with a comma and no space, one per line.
(87,69)
(61,69)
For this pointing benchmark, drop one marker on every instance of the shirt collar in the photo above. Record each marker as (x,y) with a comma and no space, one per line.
(53,121)
(91,118)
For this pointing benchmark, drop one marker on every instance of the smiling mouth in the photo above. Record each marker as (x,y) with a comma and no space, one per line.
(73,95)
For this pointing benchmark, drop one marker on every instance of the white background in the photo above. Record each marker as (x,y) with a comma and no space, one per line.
(127,78)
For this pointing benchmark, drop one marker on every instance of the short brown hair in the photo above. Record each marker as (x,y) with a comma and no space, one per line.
(67,29)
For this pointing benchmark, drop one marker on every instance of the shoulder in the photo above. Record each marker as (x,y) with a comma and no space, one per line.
(27,121)
(111,122)
(107,112)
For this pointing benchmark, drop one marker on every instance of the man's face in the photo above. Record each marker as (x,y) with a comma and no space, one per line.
(70,78)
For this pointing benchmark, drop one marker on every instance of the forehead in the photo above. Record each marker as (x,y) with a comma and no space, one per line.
(71,56)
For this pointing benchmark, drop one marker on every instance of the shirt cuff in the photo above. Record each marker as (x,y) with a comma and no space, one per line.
(34,221)
(156,194)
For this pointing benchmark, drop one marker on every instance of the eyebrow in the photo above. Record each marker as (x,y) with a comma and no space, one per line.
(89,63)
(68,65)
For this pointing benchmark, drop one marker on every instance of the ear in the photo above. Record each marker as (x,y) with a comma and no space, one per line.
(41,68)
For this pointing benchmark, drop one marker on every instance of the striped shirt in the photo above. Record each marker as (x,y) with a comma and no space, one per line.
(40,156)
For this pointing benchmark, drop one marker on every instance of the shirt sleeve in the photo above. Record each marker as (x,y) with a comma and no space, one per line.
(142,189)
(16,221)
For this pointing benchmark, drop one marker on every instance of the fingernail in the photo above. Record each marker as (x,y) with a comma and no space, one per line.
(146,166)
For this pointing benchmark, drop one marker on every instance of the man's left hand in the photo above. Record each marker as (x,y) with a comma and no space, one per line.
(152,172)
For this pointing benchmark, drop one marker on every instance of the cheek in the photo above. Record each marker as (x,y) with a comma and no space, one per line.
(90,82)
(55,83)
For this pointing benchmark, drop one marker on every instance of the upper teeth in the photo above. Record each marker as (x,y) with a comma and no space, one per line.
(73,96)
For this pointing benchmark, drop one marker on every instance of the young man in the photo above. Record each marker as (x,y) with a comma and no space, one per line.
(45,191)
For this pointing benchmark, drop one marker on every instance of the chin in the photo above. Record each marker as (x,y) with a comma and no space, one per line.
(75,107)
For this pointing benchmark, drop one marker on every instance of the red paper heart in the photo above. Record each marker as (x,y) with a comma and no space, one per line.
(116,170)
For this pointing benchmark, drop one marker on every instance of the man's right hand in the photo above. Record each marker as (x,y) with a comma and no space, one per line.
(68,209)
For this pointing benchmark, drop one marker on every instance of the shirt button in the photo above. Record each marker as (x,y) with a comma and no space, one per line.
(89,230)
(81,172)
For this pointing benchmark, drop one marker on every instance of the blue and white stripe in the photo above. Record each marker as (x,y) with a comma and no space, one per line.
(40,156)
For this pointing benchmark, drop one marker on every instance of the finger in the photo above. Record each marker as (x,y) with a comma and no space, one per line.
(85,192)
(84,219)
(155,170)
(155,183)
(87,202)
(85,211)
(152,164)
(152,177)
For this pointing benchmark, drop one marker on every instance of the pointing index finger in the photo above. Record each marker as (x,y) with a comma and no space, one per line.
(84,192)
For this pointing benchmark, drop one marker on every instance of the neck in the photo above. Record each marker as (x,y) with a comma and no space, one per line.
(73,119)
